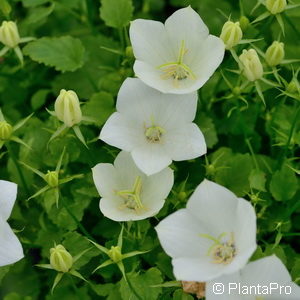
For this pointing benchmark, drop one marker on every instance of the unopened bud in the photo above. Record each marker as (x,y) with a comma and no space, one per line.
(60,259)
(276,6)
(9,34)
(129,52)
(52,178)
(231,34)
(293,87)
(275,54)
(67,108)
(182,195)
(115,254)
(5,130)
(251,65)
(210,170)
(244,23)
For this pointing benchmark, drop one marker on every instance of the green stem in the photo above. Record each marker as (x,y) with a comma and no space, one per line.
(252,153)
(283,153)
(76,291)
(80,226)
(22,177)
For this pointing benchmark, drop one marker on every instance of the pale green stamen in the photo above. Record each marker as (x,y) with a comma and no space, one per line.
(221,252)
(177,70)
(132,197)
(154,133)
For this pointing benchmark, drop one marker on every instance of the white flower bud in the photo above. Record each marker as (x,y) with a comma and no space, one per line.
(231,34)
(251,65)
(60,259)
(5,130)
(52,178)
(67,108)
(275,54)
(9,34)
(276,6)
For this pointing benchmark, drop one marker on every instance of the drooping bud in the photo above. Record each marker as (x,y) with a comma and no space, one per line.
(244,23)
(276,6)
(275,54)
(251,65)
(60,259)
(231,34)
(5,130)
(115,254)
(67,108)
(52,178)
(9,34)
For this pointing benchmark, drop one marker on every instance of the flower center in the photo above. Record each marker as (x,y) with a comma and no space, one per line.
(221,251)
(131,197)
(177,70)
(154,133)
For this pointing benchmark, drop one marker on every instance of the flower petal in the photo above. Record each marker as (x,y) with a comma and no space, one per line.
(179,235)
(10,248)
(149,41)
(185,25)
(151,158)
(8,197)
(209,57)
(121,132)
(106,180)
(195,269)
(157,188)
(185,142)
(215,205)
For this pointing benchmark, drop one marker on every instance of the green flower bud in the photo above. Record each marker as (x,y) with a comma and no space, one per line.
(236,90)
(275,54)
(276,6)
(210,170)
(182,196)
(52,178)
(129,52)
(244,23)
(60,259)
(293,87)
(9,34)
(5,130)
(251,65)
(67,108)
(115,254)
(231,34)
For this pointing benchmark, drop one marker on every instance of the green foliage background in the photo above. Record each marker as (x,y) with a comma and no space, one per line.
(253,149)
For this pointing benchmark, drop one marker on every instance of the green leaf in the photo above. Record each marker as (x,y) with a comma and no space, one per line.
(99,107)
(208,129)
(116,13)
(142,285)
(181,295)
(284,184)
(39,99)
(28,3)
(3,271)
(257,179)
(39,13)
(63,53)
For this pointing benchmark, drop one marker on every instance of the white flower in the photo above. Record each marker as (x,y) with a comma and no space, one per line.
(10,248)
(268,271)
(127,193)
(178,56)
(155,127)
(214,235)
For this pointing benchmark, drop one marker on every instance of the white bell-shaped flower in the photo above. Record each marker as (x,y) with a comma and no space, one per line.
(176,57)
(264,279)
(127,193)
(155,127)
(214,235)
(10,248)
